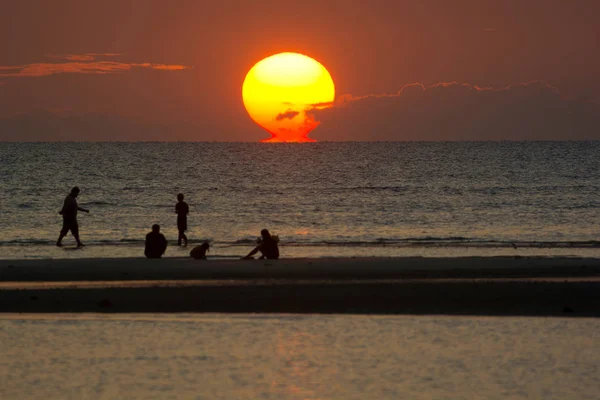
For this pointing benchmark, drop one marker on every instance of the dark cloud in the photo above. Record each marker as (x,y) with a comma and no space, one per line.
(453,111)
(289,114)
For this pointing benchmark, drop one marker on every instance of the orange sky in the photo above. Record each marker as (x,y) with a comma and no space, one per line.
(133,70)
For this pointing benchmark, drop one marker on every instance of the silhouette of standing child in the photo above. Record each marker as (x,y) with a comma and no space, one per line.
(182,209)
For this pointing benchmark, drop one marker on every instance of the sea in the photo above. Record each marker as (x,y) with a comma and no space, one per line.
(281,356)
(322,200)
(336,199)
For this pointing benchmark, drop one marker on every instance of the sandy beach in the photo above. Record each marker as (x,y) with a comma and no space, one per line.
(467,286)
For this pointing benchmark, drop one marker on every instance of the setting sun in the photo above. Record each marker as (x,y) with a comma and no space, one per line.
(280,91)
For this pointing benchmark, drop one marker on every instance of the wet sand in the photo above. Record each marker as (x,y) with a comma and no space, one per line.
(453,286)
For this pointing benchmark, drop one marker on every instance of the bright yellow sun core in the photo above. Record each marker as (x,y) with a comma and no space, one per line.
(280,92)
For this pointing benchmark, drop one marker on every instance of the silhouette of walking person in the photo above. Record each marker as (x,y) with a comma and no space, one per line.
(156,244)
(267,245)
(182,209)
(69,213)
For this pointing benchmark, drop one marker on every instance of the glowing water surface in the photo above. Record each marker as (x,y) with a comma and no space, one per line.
(298,357)
(322,199)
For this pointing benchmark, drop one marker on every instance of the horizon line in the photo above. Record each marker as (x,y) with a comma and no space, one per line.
(306,143)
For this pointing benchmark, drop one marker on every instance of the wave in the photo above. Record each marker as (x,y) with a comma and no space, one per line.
(427,241)
(29,242)
(448,242)
(241,241)
(98,203)
(396,189)
(124,205)
(430,239)
(33,242)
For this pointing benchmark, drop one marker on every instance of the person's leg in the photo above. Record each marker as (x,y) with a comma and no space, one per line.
(63,232)
(180,237)
(268,254)
(184,238)
(75,232)
(251,254)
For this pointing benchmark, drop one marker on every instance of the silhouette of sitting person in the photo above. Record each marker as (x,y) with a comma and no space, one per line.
(69,214)
(156,244)
(267,245)
(199,252)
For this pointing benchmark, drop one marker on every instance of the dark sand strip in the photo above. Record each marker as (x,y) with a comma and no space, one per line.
(454,286)
(509,297)
(138,269)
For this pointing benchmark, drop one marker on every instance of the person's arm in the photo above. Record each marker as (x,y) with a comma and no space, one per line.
(83,209)
(64,207)
(253,252)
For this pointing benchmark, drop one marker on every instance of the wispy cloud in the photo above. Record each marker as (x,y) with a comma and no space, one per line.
(162,67)
(71,57)
(416,87)
(81,57)
(80,64)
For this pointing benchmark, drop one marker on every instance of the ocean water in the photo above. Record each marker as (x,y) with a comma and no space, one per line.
(321,199)
(218,356)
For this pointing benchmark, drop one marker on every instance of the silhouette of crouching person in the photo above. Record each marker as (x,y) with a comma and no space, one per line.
(156,244)
(199,252)
(267,245)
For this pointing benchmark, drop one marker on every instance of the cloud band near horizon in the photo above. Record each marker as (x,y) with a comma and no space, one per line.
(459,111)
(446,111)
(81,64)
